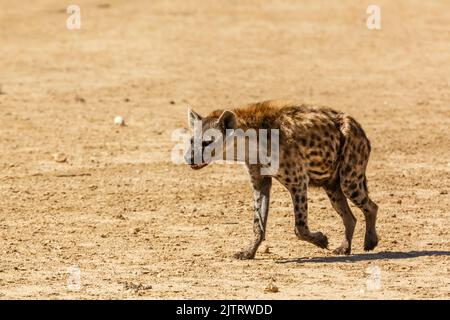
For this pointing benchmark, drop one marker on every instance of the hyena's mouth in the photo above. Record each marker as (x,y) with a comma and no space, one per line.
(198,166)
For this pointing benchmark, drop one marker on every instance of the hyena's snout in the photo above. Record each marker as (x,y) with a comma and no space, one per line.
(194,158)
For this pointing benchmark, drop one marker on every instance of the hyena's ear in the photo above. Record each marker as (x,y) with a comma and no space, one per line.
(228,120)
(193,117)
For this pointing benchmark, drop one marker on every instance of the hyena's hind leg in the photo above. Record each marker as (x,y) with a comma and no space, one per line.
(353,179)
(340,204)
(356,191)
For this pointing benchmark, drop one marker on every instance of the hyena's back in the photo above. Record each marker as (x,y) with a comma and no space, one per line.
(329,144)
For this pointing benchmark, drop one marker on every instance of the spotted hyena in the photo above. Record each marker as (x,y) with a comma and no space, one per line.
(317,147)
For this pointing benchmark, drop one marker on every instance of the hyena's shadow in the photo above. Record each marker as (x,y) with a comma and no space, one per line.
(390,255)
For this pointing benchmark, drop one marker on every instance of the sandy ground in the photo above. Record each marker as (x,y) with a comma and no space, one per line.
(138,226)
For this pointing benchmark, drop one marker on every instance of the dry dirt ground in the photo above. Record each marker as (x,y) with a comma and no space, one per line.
(138,226)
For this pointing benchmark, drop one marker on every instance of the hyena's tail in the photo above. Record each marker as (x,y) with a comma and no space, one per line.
(355,150)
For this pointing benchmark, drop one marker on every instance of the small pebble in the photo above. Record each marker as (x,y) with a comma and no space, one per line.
(80,99)
(266,249)
(271,287)
(119,121)
(59,157)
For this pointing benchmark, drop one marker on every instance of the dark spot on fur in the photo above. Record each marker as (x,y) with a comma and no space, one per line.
(317,173)
(300,223)
(352,161)
(354,195)
(315,137)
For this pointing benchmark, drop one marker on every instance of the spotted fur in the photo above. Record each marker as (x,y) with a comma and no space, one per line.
(318,147)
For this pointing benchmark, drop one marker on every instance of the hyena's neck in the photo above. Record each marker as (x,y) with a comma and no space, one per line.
(257,117)
(262,115)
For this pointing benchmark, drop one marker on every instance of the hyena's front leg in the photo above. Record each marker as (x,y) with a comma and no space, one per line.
(300,200)
(261,195)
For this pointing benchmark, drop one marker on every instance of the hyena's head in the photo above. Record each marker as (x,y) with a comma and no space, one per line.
(208,142)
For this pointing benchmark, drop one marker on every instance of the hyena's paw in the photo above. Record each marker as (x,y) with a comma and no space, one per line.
(320,240)
(370,241)
(344,249)
(244,255)
(316,238)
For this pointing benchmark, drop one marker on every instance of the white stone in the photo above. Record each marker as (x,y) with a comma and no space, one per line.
(118,120)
